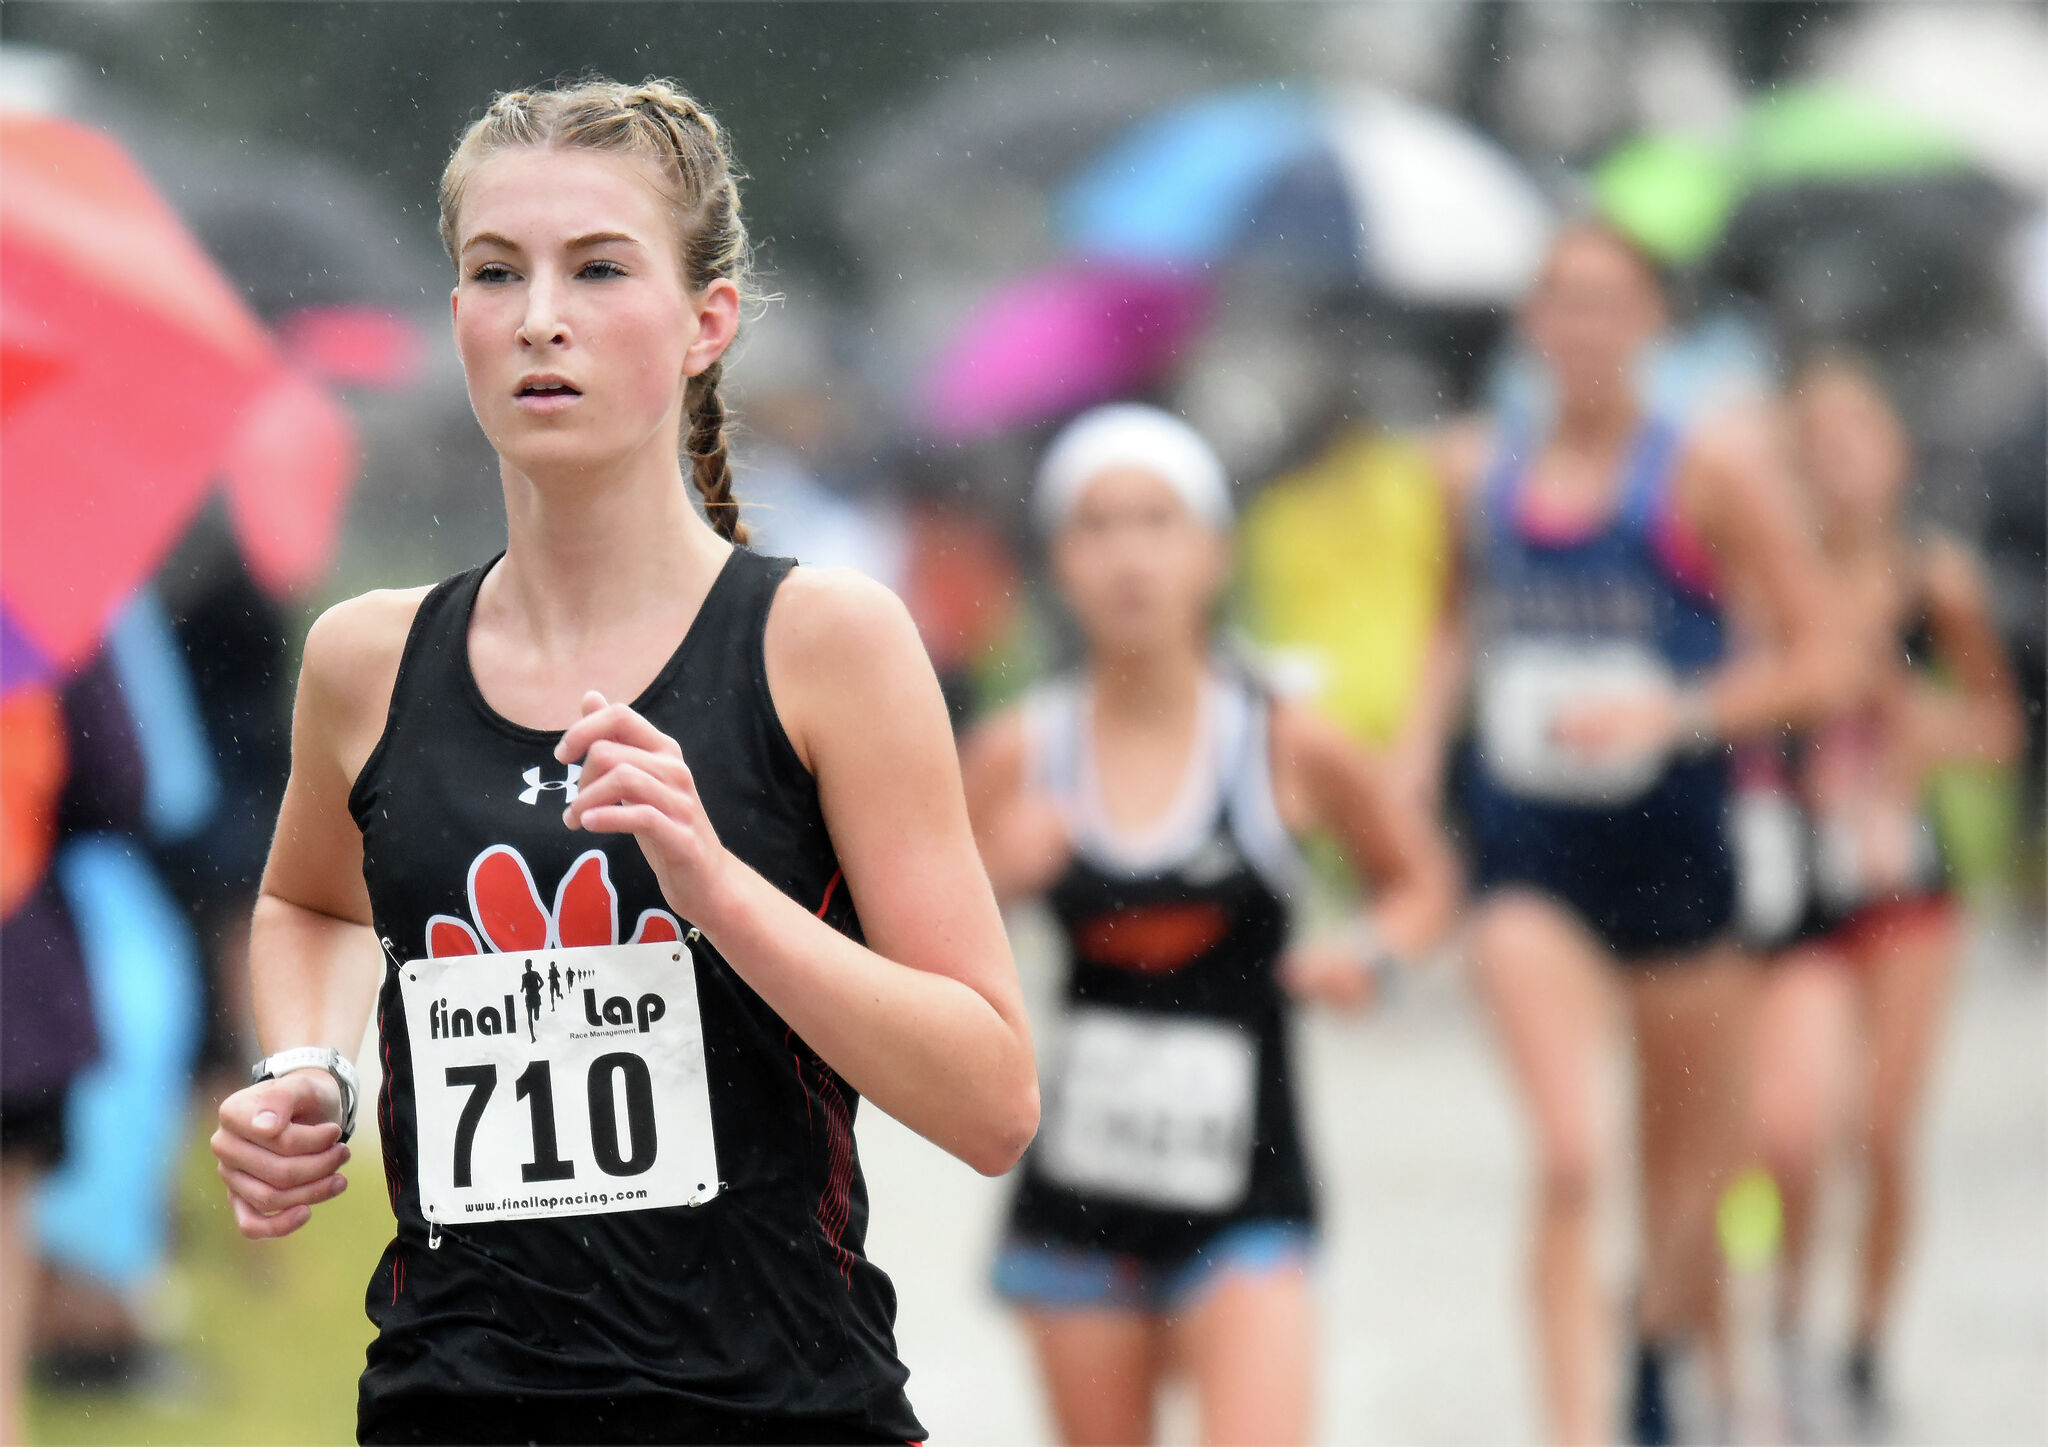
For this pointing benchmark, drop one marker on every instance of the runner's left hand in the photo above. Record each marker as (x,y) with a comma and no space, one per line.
(634,781)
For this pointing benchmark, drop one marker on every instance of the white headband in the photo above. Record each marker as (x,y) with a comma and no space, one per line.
(1128,434)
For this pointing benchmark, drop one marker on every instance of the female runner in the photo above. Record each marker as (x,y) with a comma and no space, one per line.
(1153,800)
(628,1206)
(1854,1008)
(1587,618)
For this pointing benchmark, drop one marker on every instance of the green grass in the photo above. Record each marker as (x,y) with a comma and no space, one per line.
(268,1337)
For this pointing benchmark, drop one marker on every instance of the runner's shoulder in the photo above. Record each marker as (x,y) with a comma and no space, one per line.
(842,653)
(820,613)
(837,639)
(353,650)
(1742,444)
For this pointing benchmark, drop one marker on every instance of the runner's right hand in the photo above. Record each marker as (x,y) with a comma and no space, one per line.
(1328,974)
(280,1151)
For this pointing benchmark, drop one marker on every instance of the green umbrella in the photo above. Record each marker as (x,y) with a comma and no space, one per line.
(1675,193)
(1672,193)
(1830,133)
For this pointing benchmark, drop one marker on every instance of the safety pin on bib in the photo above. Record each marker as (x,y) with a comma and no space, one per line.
(433,1226)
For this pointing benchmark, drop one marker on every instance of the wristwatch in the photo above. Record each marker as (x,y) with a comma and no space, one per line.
(318,1057)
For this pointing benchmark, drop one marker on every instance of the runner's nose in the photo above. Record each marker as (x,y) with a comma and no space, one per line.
(543,324)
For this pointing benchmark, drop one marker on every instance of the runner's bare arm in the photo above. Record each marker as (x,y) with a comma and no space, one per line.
(1021,834)
(926,1019)
(1325,780)
(313,959)
(1974,714)
(1734,492)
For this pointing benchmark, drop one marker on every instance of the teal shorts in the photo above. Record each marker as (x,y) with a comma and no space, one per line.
(1052,1276)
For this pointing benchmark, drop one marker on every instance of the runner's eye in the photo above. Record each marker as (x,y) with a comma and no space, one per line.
(601,270)
(491,273)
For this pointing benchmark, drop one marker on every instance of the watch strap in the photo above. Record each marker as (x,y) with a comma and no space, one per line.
(317,1057)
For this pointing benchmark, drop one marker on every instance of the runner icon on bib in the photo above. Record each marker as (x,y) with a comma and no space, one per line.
(538,1102)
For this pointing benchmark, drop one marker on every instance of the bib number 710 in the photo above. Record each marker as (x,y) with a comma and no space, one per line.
(536,1087)
(632,1130)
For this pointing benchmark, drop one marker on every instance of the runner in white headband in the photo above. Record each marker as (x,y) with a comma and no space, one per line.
(1130,435)
(1167,1214)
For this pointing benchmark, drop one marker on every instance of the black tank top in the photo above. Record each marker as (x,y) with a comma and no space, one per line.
(1171,1114)
(761,1299)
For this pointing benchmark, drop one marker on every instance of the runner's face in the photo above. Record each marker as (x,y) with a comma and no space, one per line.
(1591,314)
(1139,570)
(575,328)
(1851,448)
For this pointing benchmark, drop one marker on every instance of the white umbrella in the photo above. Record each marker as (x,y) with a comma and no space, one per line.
(1354,181)
(1978,73)
(1444,213)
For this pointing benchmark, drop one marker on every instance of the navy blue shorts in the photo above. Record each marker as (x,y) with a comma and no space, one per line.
(1652,878)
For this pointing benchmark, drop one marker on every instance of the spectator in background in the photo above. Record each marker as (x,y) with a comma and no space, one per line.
(140,769)
(798,455)
(962,587)
(812,491)
(1344,565)
(48,1024)
(232,636)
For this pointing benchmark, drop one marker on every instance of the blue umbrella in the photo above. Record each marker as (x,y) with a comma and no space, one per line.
(1181,187)
(1356,183)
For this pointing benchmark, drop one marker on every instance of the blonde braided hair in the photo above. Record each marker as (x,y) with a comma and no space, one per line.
(658,123)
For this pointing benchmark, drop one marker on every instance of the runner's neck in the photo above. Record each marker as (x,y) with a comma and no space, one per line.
(1157,688)
(1595,424)
(586,552)
(578,571)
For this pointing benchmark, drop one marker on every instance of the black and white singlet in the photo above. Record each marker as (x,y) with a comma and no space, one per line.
(618,1176)
(1170,1115)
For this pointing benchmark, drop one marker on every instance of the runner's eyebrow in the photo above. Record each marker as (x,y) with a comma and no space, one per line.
(601,238)
(576,243)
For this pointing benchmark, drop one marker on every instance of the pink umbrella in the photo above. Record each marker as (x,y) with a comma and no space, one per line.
(1058,340)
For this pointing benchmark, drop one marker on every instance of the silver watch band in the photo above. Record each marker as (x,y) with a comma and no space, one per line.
(317,1057)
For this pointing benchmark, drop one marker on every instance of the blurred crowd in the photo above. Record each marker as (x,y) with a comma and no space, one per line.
(1318,272)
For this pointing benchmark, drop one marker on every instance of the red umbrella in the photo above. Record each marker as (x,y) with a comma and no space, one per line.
(132,377)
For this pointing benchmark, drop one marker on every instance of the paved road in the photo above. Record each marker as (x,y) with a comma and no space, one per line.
(1421,1283)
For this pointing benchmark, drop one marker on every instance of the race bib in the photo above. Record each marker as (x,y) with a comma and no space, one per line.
(1526,685)
(1767,834)
(1873,852)
(1153,1110)
(565,1082)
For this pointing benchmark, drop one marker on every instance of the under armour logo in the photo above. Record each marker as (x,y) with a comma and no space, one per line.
(536,785)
